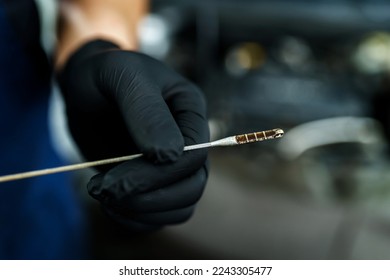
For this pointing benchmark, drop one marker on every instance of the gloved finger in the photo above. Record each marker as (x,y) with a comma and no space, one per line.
(139,98)
(188,107)
(158,218)
(178,195)
(140,175)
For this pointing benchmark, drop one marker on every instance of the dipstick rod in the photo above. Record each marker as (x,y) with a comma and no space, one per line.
(228,141)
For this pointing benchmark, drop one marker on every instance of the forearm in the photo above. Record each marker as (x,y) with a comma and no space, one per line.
(84,20)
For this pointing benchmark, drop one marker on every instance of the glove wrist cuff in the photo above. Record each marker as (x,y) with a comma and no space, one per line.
(89,48)
(95,46)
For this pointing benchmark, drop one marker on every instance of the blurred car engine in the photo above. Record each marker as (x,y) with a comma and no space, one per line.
(317,69)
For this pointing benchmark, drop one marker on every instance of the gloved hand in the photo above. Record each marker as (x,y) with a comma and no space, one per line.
(122,102)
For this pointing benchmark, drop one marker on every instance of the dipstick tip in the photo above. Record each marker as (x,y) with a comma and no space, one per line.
(278,132)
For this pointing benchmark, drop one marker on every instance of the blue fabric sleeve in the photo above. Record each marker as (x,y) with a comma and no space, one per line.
(40,218)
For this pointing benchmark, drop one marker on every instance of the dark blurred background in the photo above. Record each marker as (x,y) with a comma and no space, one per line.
(317,69)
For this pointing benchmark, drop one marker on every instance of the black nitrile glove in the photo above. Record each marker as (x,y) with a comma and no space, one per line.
(121,102)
